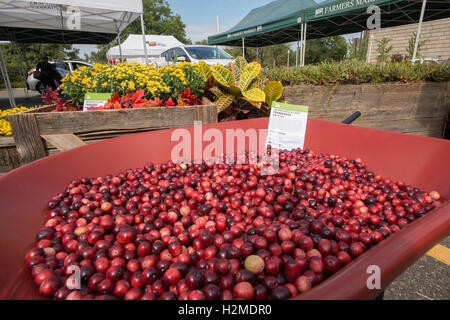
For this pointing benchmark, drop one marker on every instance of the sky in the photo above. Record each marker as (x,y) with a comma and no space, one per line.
(200,16)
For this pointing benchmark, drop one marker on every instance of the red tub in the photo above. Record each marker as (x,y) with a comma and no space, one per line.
(419,161)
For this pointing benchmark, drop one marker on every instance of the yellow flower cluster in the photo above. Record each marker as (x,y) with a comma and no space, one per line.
(162,82)
(5,128)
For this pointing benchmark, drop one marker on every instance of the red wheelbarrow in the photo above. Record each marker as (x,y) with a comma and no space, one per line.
(418,161)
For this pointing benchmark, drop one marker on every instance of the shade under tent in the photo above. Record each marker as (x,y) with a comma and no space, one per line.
(64,21)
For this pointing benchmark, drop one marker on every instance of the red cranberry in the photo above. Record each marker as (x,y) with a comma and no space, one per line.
(244,290)
(49,287)
(194,279)
(212,292)
(280,293)
(172,276)
(222,266)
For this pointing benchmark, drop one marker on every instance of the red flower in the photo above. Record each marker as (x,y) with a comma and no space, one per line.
(169,103)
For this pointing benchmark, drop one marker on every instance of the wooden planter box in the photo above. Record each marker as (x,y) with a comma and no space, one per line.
(38,133)
(417,108)
(9,157)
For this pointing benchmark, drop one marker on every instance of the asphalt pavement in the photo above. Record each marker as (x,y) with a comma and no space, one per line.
(22,99)
(427,279)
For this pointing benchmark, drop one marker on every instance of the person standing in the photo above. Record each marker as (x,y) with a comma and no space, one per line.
(47,73)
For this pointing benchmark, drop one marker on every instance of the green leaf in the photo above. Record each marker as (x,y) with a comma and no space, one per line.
(216,91)
(255,94)
(258,83)
(222,75)
(205,70)
(253,103)
(249,73)
(224,102)
(273,91)
(236,71)
(241,63)
(234,90)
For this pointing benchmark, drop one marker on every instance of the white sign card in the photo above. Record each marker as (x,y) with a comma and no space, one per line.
(287,126)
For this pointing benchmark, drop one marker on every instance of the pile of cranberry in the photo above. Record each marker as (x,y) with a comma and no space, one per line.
(217,231)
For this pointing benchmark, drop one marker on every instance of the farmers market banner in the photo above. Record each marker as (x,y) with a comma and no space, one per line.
(342,7)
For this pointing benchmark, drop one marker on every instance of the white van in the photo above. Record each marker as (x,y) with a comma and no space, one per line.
(209,54)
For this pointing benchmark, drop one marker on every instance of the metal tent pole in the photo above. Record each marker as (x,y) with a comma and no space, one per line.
(143,39)
(304,46)
(12,100)
(300,47)
(288,58)
(120,44)
(419,27)
(243,47)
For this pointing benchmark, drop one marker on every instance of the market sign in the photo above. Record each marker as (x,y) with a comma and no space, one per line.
(94,100)
(339,7)
(287,126)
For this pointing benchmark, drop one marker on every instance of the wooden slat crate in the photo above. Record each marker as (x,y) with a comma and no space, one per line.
(9,157)
(417,108)
(39,132)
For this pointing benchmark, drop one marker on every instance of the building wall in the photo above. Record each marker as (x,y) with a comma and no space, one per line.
(436,33)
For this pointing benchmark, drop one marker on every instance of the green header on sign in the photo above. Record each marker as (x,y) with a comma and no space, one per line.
(98,96)
(289,107)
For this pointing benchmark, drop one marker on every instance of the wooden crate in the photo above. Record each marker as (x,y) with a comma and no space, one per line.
(417,108)
(40,132)
(9,157)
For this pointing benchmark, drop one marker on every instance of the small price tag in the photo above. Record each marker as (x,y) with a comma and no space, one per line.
(287,126)
(94,100)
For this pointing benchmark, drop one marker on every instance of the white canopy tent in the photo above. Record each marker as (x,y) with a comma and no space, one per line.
(132,49)
(65,21)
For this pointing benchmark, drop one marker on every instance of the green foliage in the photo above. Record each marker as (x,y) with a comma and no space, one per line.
(384,50)
(13,85)
(270,56)
(323,49)
(202,42)
(98,56)
(17,64)
(353,71)
(158,19)
(357,50)
(239,90)
(411,44)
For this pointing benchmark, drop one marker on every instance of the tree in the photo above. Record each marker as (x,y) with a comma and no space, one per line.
(269,56)
(98,56)
(412,43)
(201,42)
(158,19)
(17,64)
(330,48)
(384,50)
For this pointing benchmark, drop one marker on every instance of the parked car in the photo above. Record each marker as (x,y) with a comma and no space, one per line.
(209,54)
(63,67)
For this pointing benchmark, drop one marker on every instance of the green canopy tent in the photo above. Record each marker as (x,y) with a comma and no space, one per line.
(276,22)
(329,18)
(337,17)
